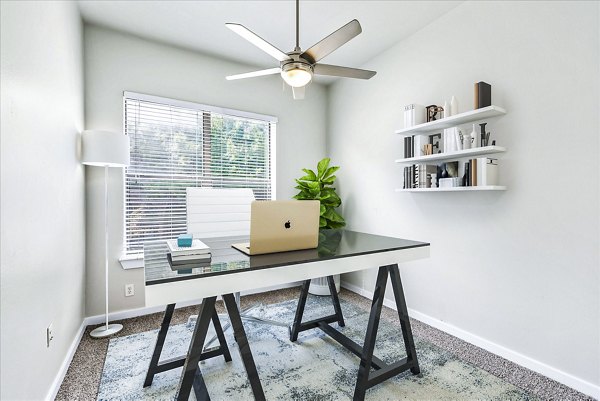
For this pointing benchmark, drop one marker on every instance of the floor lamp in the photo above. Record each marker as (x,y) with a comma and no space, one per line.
(105,149)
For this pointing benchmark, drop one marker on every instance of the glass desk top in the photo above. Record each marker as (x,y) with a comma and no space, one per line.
(227,260)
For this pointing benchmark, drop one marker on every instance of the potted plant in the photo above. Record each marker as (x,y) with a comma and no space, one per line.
(319,186)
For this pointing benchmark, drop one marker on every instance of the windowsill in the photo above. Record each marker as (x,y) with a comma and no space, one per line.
(135,261)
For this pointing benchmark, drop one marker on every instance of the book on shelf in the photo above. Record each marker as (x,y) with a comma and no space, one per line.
(415,176)
(197,248)
(408,177)
(409,146)
(482,95)
(473,169)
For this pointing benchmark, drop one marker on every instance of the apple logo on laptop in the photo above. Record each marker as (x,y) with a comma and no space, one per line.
(288,224)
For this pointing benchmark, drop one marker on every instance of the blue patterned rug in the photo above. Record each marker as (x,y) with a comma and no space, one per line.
(314,368)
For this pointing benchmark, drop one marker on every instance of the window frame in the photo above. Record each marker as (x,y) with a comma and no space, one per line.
(130,260)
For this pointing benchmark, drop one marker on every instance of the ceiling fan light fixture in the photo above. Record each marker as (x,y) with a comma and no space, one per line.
(296,74)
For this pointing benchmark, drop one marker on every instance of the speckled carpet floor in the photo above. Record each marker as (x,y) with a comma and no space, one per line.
(316,368)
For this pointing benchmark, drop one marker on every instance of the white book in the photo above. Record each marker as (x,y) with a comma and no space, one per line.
(202,257)
(487,171)
(198,248)
(445,135)
(420,114)
(419,143)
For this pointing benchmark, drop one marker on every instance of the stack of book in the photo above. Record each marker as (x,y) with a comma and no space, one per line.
(197,252)
(419,175)
(414,114)
(422,145)
(482,171)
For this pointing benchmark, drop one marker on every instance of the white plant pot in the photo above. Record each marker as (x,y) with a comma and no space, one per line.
(319,286)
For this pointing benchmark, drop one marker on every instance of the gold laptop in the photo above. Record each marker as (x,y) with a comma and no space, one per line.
(278,226)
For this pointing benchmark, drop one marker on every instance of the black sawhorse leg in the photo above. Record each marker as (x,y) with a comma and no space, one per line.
(156,367)
(191,377)
(366,379)
(298,326)
(242,342)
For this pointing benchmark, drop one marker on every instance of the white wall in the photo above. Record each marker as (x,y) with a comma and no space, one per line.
(516,268)
(115,62)
(43,233)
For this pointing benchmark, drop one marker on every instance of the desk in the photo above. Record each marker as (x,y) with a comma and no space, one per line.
(230,271)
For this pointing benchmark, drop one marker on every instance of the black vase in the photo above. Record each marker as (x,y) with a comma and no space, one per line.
(444,172)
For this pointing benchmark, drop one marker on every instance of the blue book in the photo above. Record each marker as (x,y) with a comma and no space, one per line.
(184,240)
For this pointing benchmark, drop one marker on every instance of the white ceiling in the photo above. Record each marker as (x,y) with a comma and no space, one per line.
(200,25)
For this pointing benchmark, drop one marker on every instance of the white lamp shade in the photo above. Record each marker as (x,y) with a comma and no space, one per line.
(104,148)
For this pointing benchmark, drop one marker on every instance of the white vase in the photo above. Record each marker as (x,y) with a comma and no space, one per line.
(454,106)
(447,109)
(466,141)
(474,141)
(458,138)
(433,180)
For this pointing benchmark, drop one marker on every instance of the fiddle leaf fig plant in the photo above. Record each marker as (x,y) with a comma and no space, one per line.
(318,186)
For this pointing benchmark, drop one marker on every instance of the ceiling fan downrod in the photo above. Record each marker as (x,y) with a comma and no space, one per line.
(297,48)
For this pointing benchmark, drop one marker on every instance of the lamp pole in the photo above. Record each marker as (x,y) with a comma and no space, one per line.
(105,149)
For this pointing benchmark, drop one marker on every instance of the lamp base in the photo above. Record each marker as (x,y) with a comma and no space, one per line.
(104,331)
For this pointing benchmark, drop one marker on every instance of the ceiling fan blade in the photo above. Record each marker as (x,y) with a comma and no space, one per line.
(337,71)
(298,92)
(253,74)
(258,41)
(332,42)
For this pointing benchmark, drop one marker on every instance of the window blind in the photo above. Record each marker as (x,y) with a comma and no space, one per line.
(174,145)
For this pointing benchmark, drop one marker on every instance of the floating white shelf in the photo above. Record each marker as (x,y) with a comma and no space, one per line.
(453,121)
(455,189)
(461,154)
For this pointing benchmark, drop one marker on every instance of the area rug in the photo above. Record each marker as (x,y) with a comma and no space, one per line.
(314,368)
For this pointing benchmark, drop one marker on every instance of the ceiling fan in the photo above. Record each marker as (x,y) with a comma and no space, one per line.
(297,67)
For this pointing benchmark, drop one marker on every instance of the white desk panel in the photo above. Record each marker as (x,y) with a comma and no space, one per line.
(202,287)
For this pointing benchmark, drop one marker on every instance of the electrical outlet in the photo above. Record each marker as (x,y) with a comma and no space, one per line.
(129,290)
(49,335)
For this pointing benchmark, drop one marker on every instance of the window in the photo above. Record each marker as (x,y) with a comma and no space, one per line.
(177,144)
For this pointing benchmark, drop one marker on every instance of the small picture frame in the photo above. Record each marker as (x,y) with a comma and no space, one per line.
(434,112)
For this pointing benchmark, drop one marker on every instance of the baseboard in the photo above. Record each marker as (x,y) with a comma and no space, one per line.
(119,315)
(129,313)
(65,364)
(513,356)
